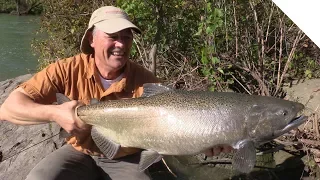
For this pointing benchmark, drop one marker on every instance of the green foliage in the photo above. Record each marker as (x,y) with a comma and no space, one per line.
(34,6)
(244,45)
(212,67)
(311,67)
(7,6)
(25,6)
(167,24)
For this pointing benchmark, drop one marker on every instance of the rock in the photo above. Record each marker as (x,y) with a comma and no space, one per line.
(22,147)
(8,85)
(307,93)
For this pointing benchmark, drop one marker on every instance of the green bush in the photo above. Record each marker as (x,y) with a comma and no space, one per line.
(7,6)
(248,46)
(24,6)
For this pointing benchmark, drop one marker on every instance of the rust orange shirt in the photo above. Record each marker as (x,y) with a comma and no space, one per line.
(78,78)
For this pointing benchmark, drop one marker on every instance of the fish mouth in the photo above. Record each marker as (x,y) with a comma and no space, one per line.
(294,123)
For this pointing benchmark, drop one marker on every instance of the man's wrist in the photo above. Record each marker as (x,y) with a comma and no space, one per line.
(50,113)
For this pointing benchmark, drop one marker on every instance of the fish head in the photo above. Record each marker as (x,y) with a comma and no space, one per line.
(271,117)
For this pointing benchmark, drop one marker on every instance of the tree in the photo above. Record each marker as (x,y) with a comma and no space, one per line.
(249,46)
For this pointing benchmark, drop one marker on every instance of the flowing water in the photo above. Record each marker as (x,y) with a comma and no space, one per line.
(16,35)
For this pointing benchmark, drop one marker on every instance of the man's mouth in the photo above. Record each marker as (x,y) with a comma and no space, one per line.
(117,53)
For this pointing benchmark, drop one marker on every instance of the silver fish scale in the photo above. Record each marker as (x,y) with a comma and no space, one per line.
(182,122)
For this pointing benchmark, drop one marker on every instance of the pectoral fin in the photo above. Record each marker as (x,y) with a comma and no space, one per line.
(148,157)
(106,146)
(245,158)
(94,101)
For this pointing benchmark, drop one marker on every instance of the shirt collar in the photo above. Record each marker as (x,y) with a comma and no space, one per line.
(126,83)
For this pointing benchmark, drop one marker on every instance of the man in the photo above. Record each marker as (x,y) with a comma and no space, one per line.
(102,71)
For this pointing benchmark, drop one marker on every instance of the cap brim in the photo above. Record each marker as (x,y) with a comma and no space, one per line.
(116,25)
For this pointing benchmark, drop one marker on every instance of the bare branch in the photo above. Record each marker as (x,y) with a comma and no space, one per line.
(280,54)
(236,26)
(294,47)
(225,24)
(153,59)
(269,22)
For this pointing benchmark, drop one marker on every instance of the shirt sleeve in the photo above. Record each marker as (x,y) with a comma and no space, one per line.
(44,85)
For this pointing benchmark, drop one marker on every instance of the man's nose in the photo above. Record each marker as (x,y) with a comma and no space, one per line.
(120,42)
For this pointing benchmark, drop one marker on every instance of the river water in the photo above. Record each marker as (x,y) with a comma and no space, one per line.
(16,35)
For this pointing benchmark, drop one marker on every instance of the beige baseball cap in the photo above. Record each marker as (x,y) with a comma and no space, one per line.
(109,19)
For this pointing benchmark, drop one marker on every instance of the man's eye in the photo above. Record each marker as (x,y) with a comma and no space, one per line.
(127,37)
(113,37)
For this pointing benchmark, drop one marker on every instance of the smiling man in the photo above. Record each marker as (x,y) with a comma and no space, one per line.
(102,71)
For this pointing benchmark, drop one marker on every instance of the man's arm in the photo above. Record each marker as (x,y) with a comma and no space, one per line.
(19,108)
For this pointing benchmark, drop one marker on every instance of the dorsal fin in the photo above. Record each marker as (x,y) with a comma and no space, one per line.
(150,89)
(61,98)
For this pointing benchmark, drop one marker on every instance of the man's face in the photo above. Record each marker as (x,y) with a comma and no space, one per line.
(112,50)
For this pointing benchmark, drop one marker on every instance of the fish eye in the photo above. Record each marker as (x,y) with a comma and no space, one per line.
(284,113)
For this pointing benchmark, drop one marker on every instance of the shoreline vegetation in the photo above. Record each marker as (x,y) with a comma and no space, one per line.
(219,46)
(21,7)
(247,46)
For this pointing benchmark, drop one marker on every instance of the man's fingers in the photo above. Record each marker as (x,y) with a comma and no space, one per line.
(216,150)
(80,124)
(227,149)
(208,152)
(76,132)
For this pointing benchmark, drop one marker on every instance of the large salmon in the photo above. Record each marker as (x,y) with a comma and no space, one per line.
(175,122)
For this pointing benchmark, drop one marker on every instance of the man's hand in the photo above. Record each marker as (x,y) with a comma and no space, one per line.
(216,150)
(65,116)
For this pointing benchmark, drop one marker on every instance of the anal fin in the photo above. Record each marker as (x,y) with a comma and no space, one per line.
(106,146)
(148,157)
(245,157)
